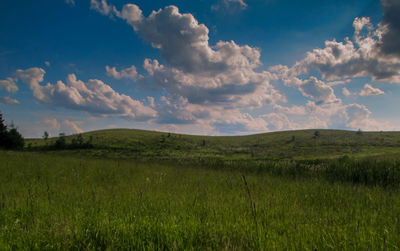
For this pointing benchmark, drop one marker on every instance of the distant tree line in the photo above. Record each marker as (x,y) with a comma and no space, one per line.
(77,142)
(10,138)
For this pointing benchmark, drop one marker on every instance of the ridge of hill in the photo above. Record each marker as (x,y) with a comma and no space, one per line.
(300,144)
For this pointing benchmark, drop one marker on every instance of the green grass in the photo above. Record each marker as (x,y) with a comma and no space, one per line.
(127,143)
(143,190)
(49,201)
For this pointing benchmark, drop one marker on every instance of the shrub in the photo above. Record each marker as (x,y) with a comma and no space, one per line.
(61,142)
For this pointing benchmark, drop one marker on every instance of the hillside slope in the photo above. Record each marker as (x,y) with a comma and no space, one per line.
(131,143)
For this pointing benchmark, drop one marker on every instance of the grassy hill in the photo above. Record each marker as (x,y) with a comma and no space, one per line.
(142,190)
(302,144)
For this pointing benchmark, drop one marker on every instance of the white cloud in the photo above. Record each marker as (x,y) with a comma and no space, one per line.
(244,88)
(64,126)
(370,91)
(215,86)
(358,117)
(53,124)
(347,59)
(8,101)
(47,63)
(223,74)
(318,91)
(129,72)
(346,92)
(279,122)
(179,112)
(94,96)
(71,127)
(9,85)
(338,82)
(293,110)
(183,42)
(193,69)
(339,63)
(102,7)
(32,77)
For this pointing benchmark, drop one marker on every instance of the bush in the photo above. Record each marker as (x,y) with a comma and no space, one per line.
(61,142)
(77,142)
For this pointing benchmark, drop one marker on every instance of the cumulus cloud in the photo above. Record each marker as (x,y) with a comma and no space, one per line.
(224,73)
(32,77)
(9,85)
(235,122)
(338,82)
(352,116)
(358,117)
(71,127)
(182,114)
(214,86)
(229,89)
(318,91)
(346,92)
(373,52)
(8,101)
(129,73)
(93,96)
(52,124)
(348,59)
(293,110)
(64,126)
(203,82)
(370,91)
(102,7)
(279,122)
(183,42)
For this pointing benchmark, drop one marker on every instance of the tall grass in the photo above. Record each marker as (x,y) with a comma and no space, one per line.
(51,202)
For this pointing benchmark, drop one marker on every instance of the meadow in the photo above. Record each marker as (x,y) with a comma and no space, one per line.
(338,190)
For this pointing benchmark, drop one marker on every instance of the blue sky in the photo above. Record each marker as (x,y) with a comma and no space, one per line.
(213,67)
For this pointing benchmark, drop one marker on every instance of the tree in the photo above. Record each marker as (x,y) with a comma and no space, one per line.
(10,139)
(3,132)
(15,140)
(45,135)
(3,127)
(61,142)
(77,141)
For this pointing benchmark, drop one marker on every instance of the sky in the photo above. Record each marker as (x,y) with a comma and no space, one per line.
(206,67)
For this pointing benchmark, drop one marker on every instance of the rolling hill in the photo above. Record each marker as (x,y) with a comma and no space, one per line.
(302,144)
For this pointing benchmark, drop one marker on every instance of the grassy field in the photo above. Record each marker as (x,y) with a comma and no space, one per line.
(53,202)
(144,190)
(124,143)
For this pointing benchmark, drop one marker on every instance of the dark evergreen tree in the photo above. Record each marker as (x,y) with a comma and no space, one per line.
(3,132)
(14,140)
(10,139)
